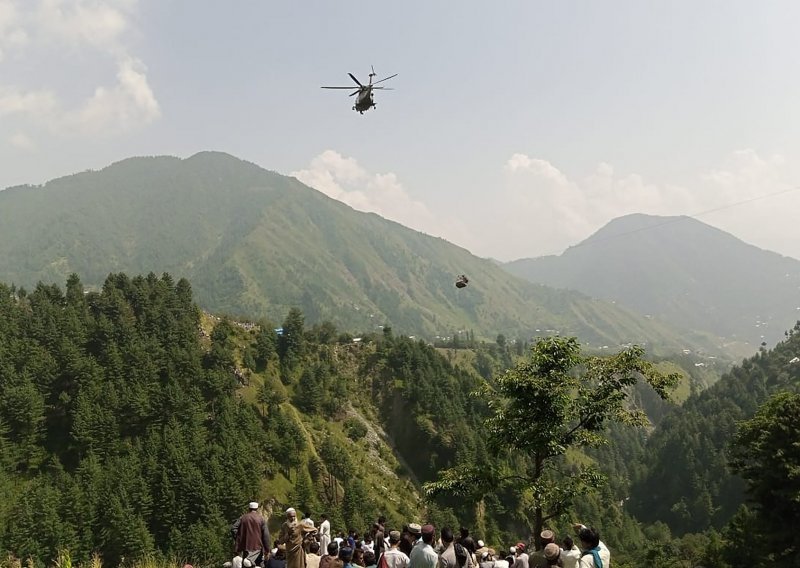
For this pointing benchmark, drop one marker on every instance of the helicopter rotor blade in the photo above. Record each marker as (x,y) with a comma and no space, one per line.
(384,88)
(353,77)
(386,79)
(348,88)
(355,92)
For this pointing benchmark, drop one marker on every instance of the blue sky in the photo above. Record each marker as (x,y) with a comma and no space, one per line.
(516,128)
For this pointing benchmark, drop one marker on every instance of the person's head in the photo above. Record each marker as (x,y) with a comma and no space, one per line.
(352,532)
(551,553)
(520,548)
(369,558)
(313,548)
(324,516)
(589,537)
(291,514)
(394,538)
(568,543)
(464,532)
(367,537)
(428,532)
(333,548)
(447,535)
(469,543)
(358,557)
(382,521)
(345,554)
(547,537)
(415,530)
(252,506)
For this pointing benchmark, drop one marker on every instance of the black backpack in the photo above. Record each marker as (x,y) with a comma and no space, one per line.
(461,555)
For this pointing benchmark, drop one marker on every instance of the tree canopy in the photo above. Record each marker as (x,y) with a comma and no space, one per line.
(555,400)
(766,454)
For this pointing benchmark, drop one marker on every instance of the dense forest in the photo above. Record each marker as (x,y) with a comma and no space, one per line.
(686,482)
(129,425)
(134,424)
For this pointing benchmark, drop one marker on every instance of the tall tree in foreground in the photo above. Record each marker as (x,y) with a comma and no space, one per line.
(766,453)
(554,401)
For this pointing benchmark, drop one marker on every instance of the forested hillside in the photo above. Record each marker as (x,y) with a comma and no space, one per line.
(686,482)
(131,424)
(255,243)
(683,271)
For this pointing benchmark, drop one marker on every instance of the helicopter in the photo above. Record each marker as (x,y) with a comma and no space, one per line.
(365,100)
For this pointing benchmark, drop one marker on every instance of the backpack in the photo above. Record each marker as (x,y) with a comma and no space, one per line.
(461,554)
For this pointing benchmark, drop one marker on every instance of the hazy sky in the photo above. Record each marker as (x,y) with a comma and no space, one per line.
(516,128)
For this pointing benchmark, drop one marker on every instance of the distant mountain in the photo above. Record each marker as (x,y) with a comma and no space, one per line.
(255,243)
(682,271)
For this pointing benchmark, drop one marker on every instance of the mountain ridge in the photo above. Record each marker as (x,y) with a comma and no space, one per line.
(681,270)
(255,243)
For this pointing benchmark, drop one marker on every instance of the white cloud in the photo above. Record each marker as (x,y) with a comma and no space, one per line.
(345,180)
(542,210)
(36,103)
(128,103)
(538,209)
(99,23)
(98,30)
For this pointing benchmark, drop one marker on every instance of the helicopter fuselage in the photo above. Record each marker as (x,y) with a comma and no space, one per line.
(364,101)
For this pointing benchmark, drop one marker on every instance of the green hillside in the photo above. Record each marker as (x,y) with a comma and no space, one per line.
(255,243)
(133,425)
(681,271)
(686,482)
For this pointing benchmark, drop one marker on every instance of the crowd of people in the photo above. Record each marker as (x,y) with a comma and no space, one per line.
(301,544)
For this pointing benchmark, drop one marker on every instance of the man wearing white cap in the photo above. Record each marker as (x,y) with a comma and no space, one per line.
(252,535)
(288,526)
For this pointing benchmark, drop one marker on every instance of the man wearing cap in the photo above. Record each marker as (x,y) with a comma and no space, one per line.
(252,535)
(537,559)
(287,526)
(552,554)
(410,537)
(520,556)
(295,546)
(423,555)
